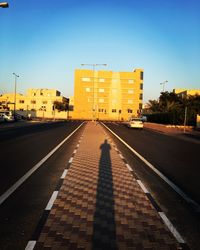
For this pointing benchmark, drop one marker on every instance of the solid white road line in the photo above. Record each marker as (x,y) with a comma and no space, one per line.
(155,170)
(171,227)
(30,245)
(51,201)
(12,189)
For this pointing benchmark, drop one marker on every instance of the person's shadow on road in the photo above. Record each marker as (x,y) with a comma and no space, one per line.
(104,229)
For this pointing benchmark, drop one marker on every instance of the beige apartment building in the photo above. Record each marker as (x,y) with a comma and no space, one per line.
(186,92)
(107,95)
(37,102)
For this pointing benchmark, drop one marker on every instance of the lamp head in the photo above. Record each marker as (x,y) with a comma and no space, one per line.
(4,5)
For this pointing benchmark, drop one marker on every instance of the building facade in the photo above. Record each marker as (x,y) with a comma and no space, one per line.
(107,95)
(38,102)
(186,92)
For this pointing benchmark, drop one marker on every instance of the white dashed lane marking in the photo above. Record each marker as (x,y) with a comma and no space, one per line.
(17,184)
(64,174)
(51,201)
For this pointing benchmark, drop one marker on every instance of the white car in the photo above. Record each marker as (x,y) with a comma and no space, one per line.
(6,116)
(135,123)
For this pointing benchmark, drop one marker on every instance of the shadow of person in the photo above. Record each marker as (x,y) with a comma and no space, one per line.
(104,229)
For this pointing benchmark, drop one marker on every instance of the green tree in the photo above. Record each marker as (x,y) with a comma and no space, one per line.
(60,106)
(169,101)
(170,108)
(152,106)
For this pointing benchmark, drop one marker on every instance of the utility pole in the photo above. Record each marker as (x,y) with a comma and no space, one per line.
(16,76)
(185,119)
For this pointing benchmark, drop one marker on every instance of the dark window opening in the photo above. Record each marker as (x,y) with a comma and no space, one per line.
(129,110)
(141,75)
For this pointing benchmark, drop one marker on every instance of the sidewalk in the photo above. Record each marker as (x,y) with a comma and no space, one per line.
(175,130)
(100,204)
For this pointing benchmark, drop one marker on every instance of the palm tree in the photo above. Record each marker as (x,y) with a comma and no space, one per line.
(153,106)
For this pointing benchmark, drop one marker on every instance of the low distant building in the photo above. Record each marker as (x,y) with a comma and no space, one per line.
(186,92)
(107,95)
(38,102)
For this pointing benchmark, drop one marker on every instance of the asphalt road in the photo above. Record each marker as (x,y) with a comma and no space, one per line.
(21,148)
(177,159)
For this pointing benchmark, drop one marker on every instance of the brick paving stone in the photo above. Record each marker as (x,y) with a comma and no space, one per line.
(100,205)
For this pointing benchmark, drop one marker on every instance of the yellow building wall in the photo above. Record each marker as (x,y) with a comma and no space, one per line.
(38,100)
(187,91)
(107,95)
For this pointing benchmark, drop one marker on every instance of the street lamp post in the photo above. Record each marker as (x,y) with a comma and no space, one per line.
(93,69)
(163,83)
(15,94)
(4,5)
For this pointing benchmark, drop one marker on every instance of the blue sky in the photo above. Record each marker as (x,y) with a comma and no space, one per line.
(44,41)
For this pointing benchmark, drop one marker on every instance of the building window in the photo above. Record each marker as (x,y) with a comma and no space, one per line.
(114,110)
(140,106)
(101,100)
(101,90)
(101,110)
(21,101)
(130,81)
(130,91)
(43,108)
(44,102)
(87,89)
(21,109)
(129,110)
(33,102)
(130,101)
(141,86)
(141,96)
(85,79)
(141,75)
(101,80)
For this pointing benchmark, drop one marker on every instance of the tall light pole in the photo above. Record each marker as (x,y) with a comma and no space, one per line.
(93,69)
(16,76)
(4,5)
(163,83)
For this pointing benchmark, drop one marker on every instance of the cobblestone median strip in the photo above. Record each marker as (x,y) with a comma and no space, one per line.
(101,205)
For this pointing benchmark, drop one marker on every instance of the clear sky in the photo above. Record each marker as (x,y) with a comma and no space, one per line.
(44,41)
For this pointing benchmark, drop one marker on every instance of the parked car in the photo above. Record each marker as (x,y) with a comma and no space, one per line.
(135,123)
(6,116)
